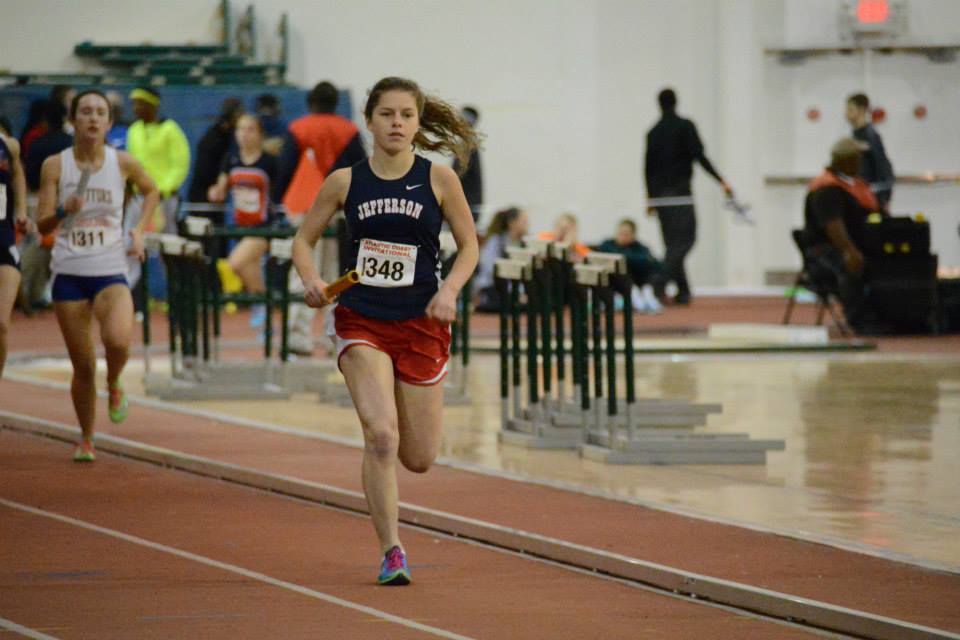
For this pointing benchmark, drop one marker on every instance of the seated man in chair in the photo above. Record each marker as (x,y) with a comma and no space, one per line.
(835,214)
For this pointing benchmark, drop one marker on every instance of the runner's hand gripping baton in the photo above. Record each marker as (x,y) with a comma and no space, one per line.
(341,284)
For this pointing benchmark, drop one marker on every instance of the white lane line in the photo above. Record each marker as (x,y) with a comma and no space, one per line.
(247,573)
(26,632)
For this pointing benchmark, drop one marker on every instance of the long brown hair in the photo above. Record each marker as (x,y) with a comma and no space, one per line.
(501,221)
(442,128)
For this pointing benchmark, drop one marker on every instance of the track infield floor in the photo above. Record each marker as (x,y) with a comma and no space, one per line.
(127,549)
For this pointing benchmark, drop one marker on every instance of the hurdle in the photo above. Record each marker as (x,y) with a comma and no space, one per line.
(538,271)
(455,386)
(596,421)
(194,316)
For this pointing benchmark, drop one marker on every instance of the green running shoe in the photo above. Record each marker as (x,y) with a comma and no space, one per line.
(117,404)
(84,452)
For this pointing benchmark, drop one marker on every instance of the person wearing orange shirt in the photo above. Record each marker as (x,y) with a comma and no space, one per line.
(317,144)
(565,230)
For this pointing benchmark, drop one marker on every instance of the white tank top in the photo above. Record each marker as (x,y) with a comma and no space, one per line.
(90,242)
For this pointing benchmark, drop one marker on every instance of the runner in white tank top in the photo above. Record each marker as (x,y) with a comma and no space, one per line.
(90,242)
(81,196)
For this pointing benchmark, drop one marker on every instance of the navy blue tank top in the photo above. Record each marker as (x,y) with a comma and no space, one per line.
(7,235)
(400,212)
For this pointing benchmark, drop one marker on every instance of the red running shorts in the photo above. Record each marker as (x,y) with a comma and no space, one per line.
(419,348)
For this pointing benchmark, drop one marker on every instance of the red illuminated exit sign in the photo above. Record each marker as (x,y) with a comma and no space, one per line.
(875,17)
(873,11)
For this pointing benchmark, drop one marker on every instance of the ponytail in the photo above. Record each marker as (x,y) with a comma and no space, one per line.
(442,128)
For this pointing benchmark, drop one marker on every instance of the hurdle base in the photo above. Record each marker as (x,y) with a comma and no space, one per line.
(176,390)
(638,419)
(535,435)
(333,390)
(703,448)
(645,414)
(239,381)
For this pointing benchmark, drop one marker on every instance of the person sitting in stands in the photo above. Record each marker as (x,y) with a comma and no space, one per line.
(641,265)
(565,230)
(507,229)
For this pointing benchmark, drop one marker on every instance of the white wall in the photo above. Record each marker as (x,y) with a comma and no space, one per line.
(567,92)
(897,83)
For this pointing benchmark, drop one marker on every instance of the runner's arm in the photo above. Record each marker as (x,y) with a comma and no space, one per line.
(19,181)
(47,219)
(329,200)
(456,211)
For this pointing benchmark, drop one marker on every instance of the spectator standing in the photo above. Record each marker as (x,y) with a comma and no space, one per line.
(318,144)
(267,109)
(37,124)
(673,145)
(50,143)
(161,147)
(117,136)
(471,176)
(875,167)
(211,151)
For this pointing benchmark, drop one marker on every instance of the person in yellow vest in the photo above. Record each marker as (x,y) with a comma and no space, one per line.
(160,145)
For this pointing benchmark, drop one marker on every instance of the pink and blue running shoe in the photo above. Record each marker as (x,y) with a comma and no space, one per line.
(394,571)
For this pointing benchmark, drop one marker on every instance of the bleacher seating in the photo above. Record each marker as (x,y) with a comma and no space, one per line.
(231,62)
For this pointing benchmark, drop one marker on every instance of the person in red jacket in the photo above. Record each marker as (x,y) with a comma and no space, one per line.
(318,144)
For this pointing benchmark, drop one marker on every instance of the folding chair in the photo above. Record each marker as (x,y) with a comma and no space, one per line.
(825,289)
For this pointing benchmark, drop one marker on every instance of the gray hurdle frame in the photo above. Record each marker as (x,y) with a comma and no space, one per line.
(597,422)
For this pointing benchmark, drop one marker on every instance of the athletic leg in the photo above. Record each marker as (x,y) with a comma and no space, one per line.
(369,376)
(420,422)
(245,260)
(113,308)
(74,318)
(9,286)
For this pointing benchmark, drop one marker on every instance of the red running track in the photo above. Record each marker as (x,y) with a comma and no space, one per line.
(100,551)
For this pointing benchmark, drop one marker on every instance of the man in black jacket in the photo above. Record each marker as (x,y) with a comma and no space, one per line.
(673,145)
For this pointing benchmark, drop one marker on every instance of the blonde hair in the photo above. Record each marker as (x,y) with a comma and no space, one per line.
(442,128)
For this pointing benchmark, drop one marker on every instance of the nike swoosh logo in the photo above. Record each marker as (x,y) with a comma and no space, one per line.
(409,188)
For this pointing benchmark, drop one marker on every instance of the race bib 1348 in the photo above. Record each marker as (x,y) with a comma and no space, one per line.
(386,264)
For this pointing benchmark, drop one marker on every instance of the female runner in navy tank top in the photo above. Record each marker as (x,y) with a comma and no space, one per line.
(392,330)
(13,214)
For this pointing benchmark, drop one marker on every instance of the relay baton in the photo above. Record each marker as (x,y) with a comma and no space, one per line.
(82,184)
(341,284)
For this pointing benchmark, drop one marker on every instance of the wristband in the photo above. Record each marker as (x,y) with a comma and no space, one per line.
(61,213)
